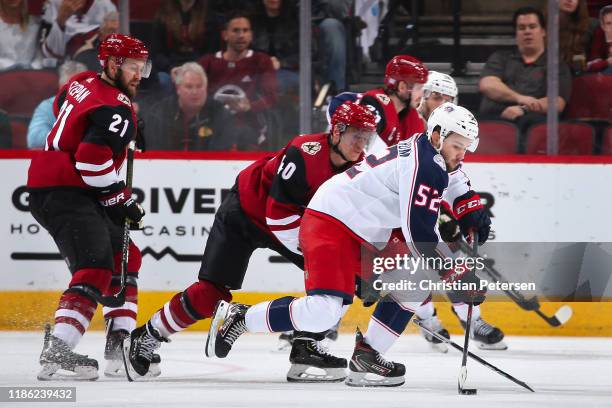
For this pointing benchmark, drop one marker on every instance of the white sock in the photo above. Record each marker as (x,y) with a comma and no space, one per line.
(256,318)
(158,324)
(462,310)
(379,337)
(68,333)
(124,323)
(425,311)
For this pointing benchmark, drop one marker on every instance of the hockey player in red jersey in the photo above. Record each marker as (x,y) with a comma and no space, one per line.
(77,194)
(396,120)
(400,187)
(263,210)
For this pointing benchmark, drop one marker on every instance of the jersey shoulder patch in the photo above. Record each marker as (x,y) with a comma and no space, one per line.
(311,148)
(384,99)
(124,99)
(439,160)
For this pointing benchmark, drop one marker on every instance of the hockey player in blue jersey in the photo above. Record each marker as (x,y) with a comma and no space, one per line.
(438,89)
(398,188)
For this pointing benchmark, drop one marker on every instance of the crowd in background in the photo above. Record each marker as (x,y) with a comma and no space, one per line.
(226,71)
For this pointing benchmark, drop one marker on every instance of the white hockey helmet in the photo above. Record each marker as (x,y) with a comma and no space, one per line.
(441,83)
(453,119)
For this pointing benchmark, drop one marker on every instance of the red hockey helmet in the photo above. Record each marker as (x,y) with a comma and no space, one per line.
(122,47)
(405,68)
(354,115)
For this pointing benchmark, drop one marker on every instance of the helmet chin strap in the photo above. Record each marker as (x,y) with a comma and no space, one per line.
(335,148)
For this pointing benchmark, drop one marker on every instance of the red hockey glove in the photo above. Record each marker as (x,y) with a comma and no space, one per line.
(119,205)
(472,216)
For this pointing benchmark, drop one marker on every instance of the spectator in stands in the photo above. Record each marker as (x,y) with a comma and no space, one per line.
(513,82)
(43,117)
(183,32)
(328,15)
(600,56)
(67,24)
(189,120)
(574,33)
(276,32)
(88,53)
(243,79)
(19,34)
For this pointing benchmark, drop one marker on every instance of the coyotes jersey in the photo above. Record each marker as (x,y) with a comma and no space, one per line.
(254,74)
(274,191)
(400,187)
(392,126)
(87,144)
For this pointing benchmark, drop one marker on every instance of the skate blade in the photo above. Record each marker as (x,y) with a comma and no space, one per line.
(128,370)
(439,347)
(355,379)
(218,318)
(500,345)
(116,369)
(309,374)
(53,372)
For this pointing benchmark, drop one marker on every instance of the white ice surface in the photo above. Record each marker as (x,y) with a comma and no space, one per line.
(565,372)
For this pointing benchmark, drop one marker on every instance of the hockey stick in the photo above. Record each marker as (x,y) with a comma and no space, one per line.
(118,299)
(466,341)
(474,356)
(560,317)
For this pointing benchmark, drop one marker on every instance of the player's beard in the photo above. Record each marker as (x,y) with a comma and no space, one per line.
(120,83)
(123,85)
(407,100)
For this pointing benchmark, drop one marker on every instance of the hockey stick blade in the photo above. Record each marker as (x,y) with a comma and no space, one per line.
(561,317)
(113,300)
(462,379)
(474,356)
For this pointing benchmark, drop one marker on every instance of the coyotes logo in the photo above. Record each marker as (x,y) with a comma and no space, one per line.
(311,148)
(384,99)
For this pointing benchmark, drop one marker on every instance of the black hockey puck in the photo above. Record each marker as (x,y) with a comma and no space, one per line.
(468,391)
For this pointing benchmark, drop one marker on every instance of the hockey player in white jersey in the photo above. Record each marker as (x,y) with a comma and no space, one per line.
(401,187)
(438,89)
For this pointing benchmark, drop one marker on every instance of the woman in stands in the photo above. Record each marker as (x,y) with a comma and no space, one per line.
(19,33)
(575,33)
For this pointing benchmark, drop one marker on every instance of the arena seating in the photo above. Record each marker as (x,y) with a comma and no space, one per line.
(497,137)
(575,138)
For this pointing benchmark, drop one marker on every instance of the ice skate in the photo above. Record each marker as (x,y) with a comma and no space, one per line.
(221,338)
(434,324)
(310,362)
(368,368)
(59,362)
(487,336)
(138,356)
(113,354)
